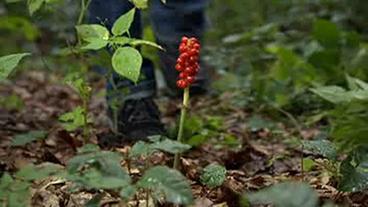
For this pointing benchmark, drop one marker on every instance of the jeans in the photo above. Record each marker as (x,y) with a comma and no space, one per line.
(170,22)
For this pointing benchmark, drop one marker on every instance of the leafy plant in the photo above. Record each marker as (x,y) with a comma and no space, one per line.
(101,170)
(288,194)
(15,192)
(213,175)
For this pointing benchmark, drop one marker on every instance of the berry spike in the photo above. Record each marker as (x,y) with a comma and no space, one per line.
(187,62)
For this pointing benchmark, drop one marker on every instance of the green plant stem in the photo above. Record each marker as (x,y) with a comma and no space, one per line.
(84,7)
(181,124)
(85,120)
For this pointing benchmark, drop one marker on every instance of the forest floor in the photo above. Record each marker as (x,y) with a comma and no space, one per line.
(259,157)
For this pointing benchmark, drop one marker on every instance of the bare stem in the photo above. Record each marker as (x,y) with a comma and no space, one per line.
(181,124)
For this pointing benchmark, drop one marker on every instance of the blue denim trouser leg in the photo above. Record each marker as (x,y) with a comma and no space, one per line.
(170,22)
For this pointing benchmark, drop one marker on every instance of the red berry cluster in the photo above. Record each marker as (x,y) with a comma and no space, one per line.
(187,62)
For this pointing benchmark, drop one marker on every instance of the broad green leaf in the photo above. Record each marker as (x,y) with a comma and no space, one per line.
(9,62)
(91,32)
(96,179)
(170,146)
(19,195)
(321,147)
(127,62)
(23,139)
(288,194)
(213,175)
(169,182)
(33,172)
(141,148)
(333,94)
(100,169)
(326,32)
(88,148)
(123,23)
(95,44)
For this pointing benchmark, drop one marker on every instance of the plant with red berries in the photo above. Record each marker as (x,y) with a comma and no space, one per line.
(188,67)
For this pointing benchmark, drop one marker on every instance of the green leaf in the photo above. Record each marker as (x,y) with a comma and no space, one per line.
(321,147)
(34,5)
(127,62)
(88,148)
(91,32)
(140,4)
(141,148)
(73,120)
(356,84)
(5,183)
(95,44)
(326,33)
(354,171)
(23,139)
(213,175)
(169,182)
(20,195)
(123,23)
(333,94)
(288,194)
(33,172)
(308,164)
(170,146)
(100,169)
(9,62)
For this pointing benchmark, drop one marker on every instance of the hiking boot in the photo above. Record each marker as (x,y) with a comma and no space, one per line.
(139,119)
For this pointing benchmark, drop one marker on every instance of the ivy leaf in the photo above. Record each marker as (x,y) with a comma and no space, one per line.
(321,147)
(101,169)
(123,23)
(91,32)
(354,171)
(9,62)
(170,146)
(127,62)
(213,175)
(23,139)
(288,194)
(33,172)
(140,149)
(169,182)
